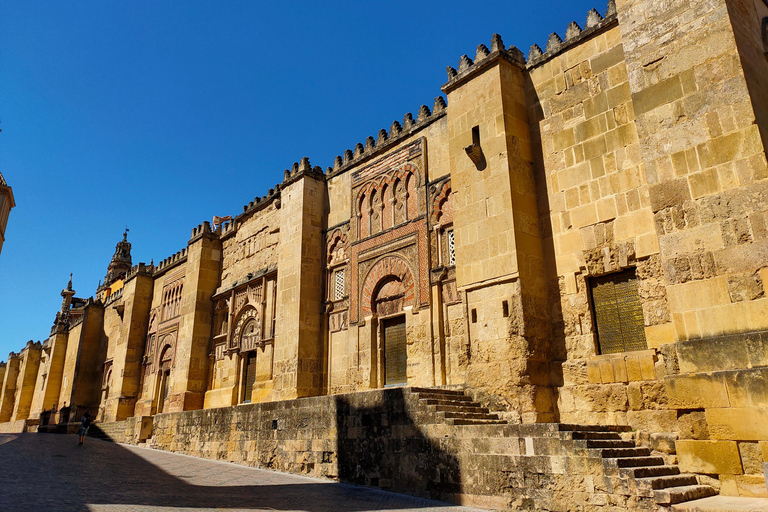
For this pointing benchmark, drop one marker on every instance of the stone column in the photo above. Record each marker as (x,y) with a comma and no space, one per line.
(499,259)
(298,369)
(8,392)
(129,349)
(203,272)
(26,383)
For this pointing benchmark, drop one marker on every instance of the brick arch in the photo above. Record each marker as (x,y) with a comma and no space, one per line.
(338,240)
(387,269)
(166,349)
(442,205)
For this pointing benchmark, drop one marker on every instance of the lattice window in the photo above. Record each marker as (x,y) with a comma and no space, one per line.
(338,285)
(618,313)
(451,249)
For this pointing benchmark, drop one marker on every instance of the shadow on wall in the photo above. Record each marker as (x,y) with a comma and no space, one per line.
(381,445)
(557,347)
(53,473)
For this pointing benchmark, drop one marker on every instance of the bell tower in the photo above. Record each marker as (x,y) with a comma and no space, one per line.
(121,261)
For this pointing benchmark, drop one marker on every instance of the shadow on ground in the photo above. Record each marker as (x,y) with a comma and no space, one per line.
(50,472)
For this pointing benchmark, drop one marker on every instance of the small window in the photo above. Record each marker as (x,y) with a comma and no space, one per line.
(618,313)
(451,249)
(338,285)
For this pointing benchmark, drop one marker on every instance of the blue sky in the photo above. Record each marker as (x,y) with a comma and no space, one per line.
(158,115)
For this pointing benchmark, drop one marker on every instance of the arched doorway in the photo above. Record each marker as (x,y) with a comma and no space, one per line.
(388,305)
(164,377)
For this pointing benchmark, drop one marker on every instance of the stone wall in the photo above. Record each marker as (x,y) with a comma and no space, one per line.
(388,439)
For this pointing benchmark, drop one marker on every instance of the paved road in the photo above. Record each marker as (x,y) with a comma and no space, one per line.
(49,472)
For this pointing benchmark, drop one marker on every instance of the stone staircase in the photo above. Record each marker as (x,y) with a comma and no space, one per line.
(649,474)
(455,408)
(628,469)
(110,431)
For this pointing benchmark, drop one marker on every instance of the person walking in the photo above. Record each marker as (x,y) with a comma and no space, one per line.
(85,422)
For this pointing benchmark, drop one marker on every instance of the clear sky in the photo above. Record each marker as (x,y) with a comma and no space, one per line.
(158,115)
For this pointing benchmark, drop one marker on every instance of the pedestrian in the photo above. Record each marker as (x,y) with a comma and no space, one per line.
(85,422)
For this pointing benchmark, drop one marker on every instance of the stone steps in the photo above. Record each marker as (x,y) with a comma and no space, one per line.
(596,435)
(665,481)
(609,443)
(652,476)
(453,407)
(675,495)
(651,471)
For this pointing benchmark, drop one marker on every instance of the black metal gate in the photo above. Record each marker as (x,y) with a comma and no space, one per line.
(395,358)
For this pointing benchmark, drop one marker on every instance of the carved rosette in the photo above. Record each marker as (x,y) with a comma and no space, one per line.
(247,334)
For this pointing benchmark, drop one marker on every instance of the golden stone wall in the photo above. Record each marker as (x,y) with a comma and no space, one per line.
(634,145)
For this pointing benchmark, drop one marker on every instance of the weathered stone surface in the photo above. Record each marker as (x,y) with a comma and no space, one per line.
(692,424)
(712,457)
(739,423)
(696,391)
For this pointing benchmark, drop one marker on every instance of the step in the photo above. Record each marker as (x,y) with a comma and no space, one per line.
(680,494)
(593,428)
(443,401)
(447,398)
(666,481)
(461,408)
(620,453)
(469,415)
(652,471)
(596,435)
(459,421)
(439,391)
(609,443)
(633,462)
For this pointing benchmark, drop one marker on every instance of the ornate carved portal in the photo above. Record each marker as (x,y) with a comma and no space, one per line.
(248,330)
(389,299)
(388,288)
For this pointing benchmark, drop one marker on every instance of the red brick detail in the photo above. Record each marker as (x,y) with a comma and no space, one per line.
(387,267)
(442,206)
(421,267)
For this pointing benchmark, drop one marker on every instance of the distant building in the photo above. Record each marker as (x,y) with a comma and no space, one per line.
(575,243)
(6,203)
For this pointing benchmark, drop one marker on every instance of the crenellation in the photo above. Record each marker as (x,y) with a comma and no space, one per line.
(464,63)
(593,18)
(482,52)
(554,44)
(573,31)
(535,53)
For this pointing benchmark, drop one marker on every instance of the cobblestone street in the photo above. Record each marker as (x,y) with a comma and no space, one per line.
(49,472)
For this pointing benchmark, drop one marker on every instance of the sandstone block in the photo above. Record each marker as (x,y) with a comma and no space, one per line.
(728,352)
(701,390)
(738,423)
(751,458)
(668,194)
(711,457)
(593,371)
(653,421)
(692,425)
(748,388)
(747,486)
(647,395)
(663,442)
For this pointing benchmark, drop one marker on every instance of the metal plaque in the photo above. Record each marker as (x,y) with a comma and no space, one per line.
(618,313)
(395,351)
